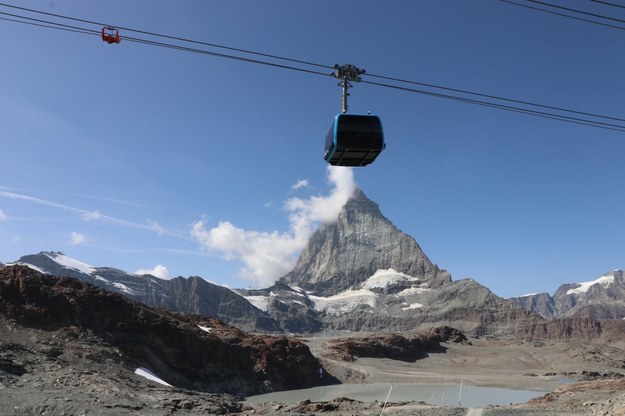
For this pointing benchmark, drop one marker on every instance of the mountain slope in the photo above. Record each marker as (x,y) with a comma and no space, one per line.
(600,299)
(193,295)
(186,351)
(359,273)
(362,241)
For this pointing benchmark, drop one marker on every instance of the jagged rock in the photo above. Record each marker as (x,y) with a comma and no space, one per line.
(601,299)
(393,346)
(361,273)
(541,303)
(360,242)
(193,352)
(448,334)
(189,295)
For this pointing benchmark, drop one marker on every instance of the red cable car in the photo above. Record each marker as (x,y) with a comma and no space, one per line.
(110,35)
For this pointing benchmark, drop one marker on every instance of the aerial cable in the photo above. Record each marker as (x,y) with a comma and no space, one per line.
(527,6)
(568,9)
(222,55)
(84,31)
(303,62)
(553,116)
(143,32)
(550,107)
(55,25)
(607,3)
(528,111)
(48,24)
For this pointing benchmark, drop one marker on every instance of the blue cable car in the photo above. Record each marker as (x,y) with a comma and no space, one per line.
(354,140)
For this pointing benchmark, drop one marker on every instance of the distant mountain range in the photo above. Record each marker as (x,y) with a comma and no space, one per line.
(600,299)
(357,273)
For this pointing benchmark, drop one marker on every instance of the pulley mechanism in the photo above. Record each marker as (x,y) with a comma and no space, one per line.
(347,73)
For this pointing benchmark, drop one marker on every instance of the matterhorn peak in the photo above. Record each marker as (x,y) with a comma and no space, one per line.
(345,253)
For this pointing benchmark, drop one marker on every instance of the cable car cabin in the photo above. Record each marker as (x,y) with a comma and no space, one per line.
(110,35)
(354,140)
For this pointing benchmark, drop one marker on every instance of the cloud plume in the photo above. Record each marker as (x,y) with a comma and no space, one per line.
(159,271)
(76,238)
(268,255)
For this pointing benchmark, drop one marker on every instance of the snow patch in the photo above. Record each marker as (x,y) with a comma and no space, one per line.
(31,266)
(205,328)
(412,291)
(345,301)
(261,302)
(583,287)
(123,288)
(98,277)
(412,306)
(144,372)
(298,291)
(388,277)
(70,263)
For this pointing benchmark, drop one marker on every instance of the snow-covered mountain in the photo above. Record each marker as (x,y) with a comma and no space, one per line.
(360,243)
(190,295)
(602,298)
(357,273)
(362,273)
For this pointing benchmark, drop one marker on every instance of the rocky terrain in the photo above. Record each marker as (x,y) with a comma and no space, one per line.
(187,351)
(189,295)
(366,302)
(393,345)
(74,372)
(600,299)
(343,254)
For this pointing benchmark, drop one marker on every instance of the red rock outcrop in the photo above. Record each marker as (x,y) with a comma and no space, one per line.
(395,346)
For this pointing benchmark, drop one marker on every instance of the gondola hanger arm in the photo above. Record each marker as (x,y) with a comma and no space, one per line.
(347,73)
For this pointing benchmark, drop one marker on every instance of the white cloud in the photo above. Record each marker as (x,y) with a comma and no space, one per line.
(159,271)
(268,255)
(3,216)
(157,228)
(92,215)
(302,183)
(76,239)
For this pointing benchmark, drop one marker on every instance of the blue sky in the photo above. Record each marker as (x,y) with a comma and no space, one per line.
(138,157)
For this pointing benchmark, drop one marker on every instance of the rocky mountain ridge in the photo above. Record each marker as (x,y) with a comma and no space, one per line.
(345,253)
(359,273)
(600,299)
(186,351)
(189,295)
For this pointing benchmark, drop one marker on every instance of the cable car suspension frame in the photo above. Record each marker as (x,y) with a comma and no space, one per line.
(347,73)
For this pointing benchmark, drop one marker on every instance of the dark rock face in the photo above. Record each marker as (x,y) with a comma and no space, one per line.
(197,296)
(345,253)
(395,346)
(448,334)
(193,295)
(218,358)
(291,308)
(570,329)
(541,303)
